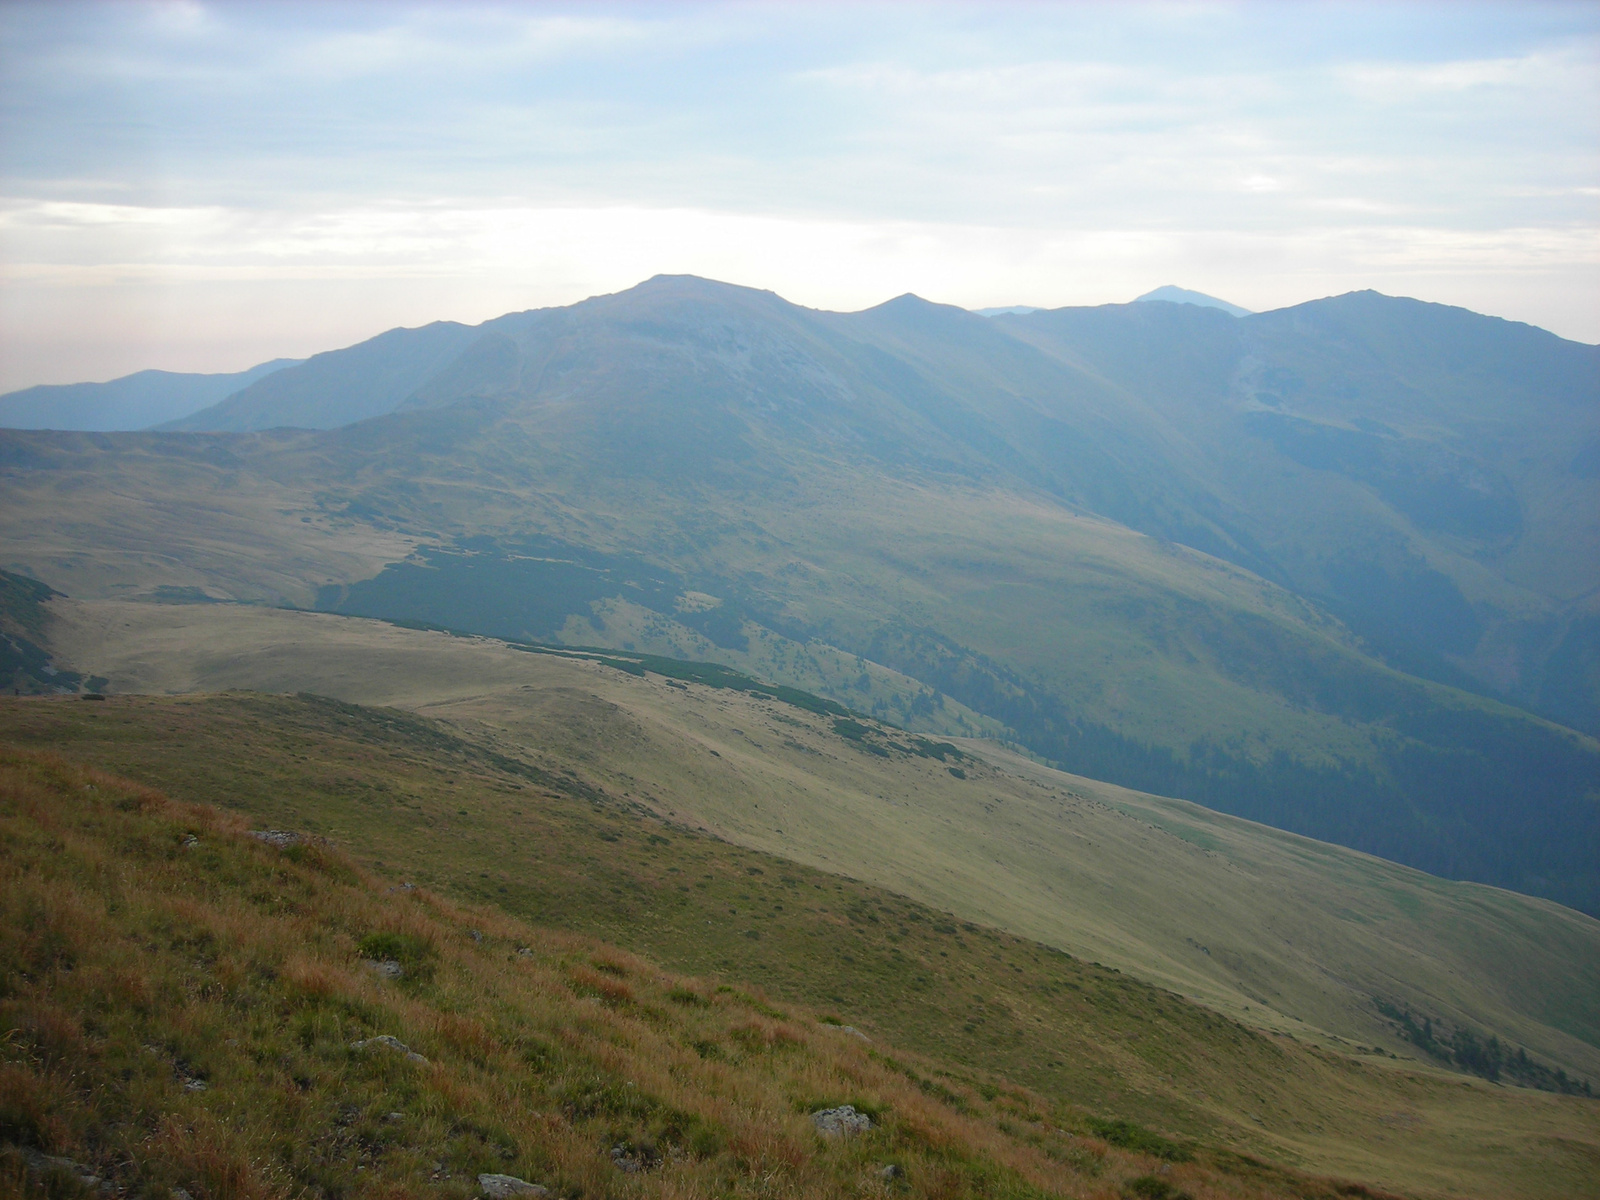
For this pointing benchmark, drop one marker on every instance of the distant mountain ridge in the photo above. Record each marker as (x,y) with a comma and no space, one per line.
(337,387)
(138,401)
(1236,560)
(1178,295)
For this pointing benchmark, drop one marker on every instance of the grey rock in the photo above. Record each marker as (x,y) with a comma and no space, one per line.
(850,1029)
(275,837)
(495,1187)
(195,1085)
(889,1172)
(387,968)
(179,1194)
(630,1161)
(190,842)
(386,1041)
(841,1122)
(42,1164)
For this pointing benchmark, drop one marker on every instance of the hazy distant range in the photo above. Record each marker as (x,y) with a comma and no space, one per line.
(149,399)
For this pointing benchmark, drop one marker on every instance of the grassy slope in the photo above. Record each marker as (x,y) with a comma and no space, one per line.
(182,1003)
(1054,860)
(453,818)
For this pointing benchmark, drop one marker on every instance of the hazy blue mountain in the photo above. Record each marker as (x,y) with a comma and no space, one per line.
(1421,471)
(338,387)
(136,401)
(1178,295)
(998,312)
(1417,469)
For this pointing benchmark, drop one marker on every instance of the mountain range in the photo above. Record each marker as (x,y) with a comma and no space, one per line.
(1329,567)
(136,401)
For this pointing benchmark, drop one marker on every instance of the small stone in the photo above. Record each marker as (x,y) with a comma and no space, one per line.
(495,1187)
(195,1085)
(386,968)
(633,1158)
(42,1164)
(524,952)
(190,842)
(850,1029)
(179,1194)
(475,935)
(889,1172)
(392,1117)
(390,1042)
(841,1122)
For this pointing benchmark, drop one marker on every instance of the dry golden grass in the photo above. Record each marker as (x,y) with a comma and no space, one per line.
(149,946)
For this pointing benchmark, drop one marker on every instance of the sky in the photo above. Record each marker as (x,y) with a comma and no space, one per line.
(200,187)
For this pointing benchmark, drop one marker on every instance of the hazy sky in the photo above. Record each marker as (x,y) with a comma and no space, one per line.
(202,186)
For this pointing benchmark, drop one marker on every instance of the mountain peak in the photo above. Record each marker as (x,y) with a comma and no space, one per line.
(1178,295)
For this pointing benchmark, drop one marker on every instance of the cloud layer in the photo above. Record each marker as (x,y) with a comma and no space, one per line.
(199,186)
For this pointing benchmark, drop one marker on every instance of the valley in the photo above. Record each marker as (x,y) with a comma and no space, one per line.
(1036,526)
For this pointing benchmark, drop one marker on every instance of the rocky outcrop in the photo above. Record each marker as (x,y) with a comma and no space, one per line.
(841,1122)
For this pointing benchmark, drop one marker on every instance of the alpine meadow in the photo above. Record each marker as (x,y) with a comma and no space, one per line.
(736,739)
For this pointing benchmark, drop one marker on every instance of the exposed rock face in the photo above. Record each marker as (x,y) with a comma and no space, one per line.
(388,1042)
(841,1121)
(497,1187)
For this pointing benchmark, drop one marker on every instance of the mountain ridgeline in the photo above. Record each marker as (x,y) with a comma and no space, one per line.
(138,401)
(1331,567)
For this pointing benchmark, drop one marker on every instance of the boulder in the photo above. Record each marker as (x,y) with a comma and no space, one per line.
(841,1122)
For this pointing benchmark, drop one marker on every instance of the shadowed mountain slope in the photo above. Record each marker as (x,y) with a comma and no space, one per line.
(338,387)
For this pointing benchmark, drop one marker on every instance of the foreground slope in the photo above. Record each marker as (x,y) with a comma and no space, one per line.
(1097,1047)
(190,1008)
(711,472)
(1303,935)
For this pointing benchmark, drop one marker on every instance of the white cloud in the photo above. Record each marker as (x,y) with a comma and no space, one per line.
(362,165)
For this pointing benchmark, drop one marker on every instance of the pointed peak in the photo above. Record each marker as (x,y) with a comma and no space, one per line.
(1177,295)
(910,302)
